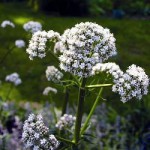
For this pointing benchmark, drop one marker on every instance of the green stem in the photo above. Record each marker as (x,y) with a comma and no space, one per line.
(79,111)
(53,108)
(4,57)
(93,107)
(65,102)
(91,112)
(3,143)
(1,111)
(9,91)
(98,85)
(65,140)
(69,81)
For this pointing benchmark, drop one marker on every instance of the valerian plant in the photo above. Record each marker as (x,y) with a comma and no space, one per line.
(81,51)
(30,27)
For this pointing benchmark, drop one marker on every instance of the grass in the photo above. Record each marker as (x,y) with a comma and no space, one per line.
(132,41)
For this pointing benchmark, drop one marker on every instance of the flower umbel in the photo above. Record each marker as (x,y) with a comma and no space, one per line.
(6,23)
(53,74)
(37,45)
(65,122)
(133,83)
(32,26)
(83,46)
(14,78)
(110,68)
(20,43)
(36,135)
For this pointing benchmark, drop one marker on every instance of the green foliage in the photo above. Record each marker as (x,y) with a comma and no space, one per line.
(131,7)
(110,130)
(100,7)
(132,46)
(136,7)
(88,7)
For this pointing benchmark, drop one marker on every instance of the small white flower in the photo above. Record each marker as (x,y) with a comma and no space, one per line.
(32,26)
(49,89)
(36,135)
(53,74)
(54,141)
(110,68)
(29,144)
(6,23)
(65,121)
(31,117)
(20,43)
(36,148)
(43,141)
(14,78)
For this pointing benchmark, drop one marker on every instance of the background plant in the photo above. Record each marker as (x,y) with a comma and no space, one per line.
(83,50)
(132,35)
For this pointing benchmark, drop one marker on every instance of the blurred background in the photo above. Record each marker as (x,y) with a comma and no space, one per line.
(129,20)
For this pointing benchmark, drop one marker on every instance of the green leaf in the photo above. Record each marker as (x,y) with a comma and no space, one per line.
(89,135)
(98,85)
(65,140)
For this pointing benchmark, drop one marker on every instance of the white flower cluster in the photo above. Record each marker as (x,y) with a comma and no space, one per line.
(36,135)
(65,122)
(53,74)
(83,46)
(110,68)
(37,44)
(20,43)
(49,89)
(32,26)
(14,78)
(133,83)
(6,23)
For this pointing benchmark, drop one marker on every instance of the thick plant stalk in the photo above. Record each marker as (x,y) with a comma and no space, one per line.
(93,108)
(80,108)
(64,109)
(91,112)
